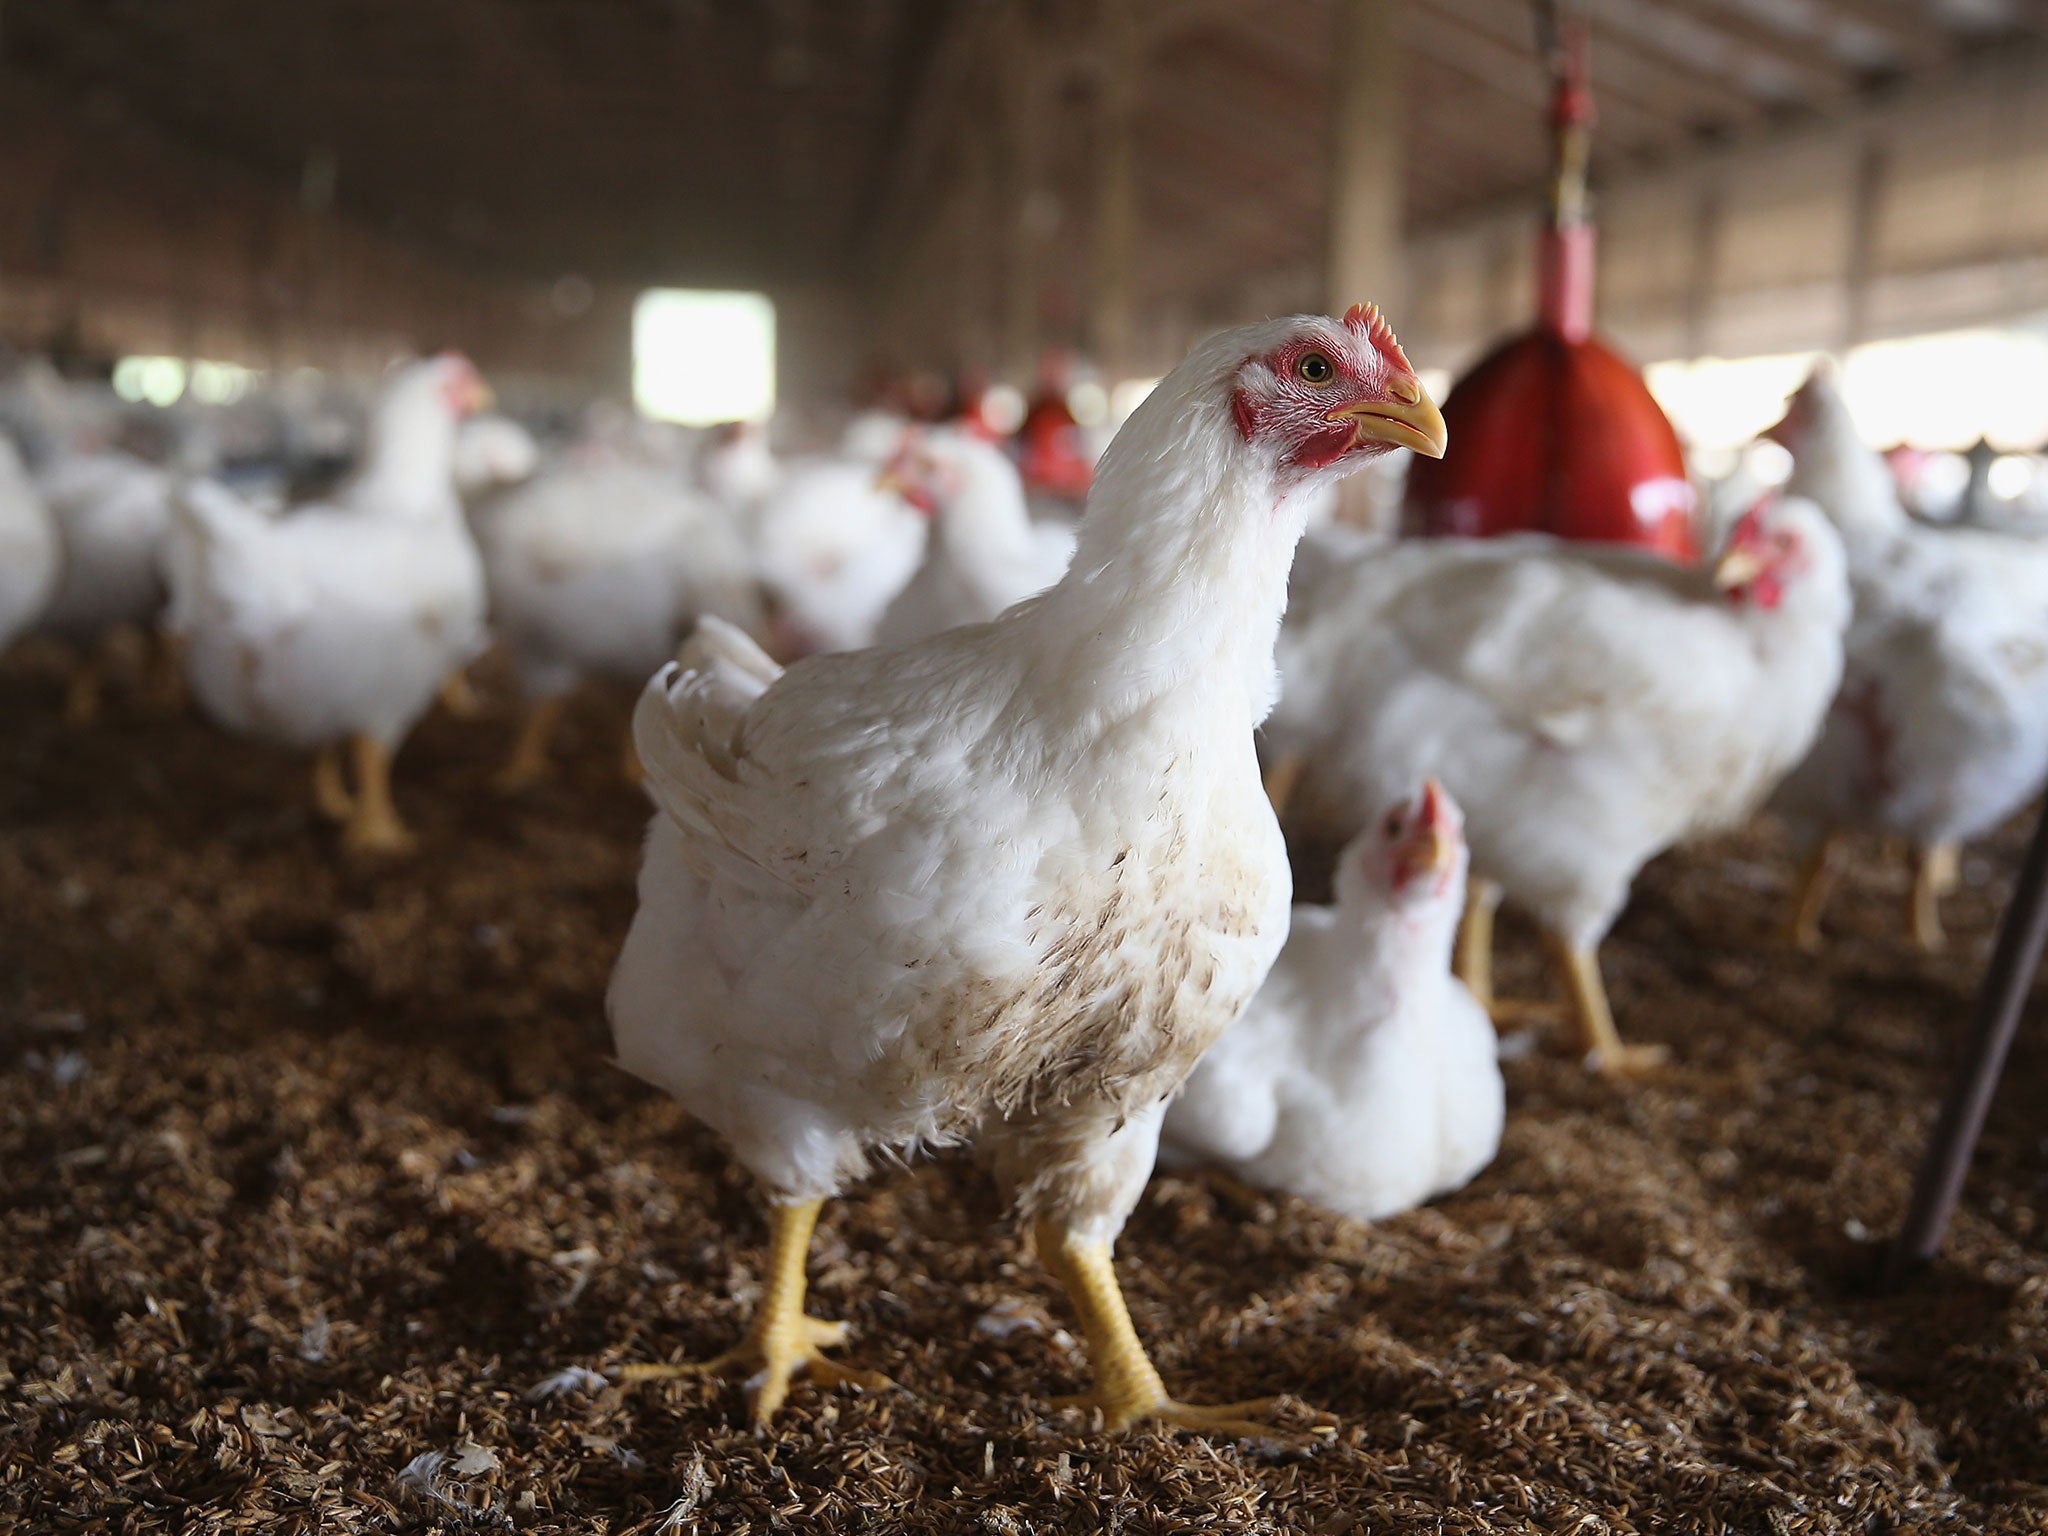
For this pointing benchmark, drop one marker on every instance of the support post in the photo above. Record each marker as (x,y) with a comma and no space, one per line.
(1859,261)
(1362,260)
(1026,196)
(1113,275)
(2021,935)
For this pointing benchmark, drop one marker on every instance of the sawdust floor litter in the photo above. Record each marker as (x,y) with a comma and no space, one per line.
(322,1209)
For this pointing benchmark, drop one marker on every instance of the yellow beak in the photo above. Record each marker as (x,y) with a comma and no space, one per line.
(482,398)
(1409,420)
(887,479)
(1738,566)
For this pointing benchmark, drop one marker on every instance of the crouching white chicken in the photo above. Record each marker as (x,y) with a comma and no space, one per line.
(984,552)
(1940,730)
(835,547)
(340,622)
(29,553)
(1589,706)
(1007,883)
(1364,1076)
(599,566)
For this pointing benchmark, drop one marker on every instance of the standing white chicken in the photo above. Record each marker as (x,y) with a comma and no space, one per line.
(340,621)
(1009,882)
(1940,730)
(598,565)
(1364,1076)
(983,552)
(1588,705)
(29,552)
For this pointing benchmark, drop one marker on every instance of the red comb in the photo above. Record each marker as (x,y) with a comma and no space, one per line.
(1367,318)
(1432,810)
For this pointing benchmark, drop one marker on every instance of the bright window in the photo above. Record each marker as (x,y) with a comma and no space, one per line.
(701,357)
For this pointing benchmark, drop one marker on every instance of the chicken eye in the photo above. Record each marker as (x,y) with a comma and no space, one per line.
(1314,368)
(1391,827)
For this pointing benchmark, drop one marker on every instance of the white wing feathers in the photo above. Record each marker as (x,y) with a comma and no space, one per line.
(689,727)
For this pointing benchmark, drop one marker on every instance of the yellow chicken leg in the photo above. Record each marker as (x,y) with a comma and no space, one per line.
(1473,962)
(528,763)
(82,693)
(1127,1388)
(783,1342)
(373,824)
(630,767)
(1816,881)
(1599,1041)
(1280,780)
(458,696)
(331,798)
(1934,876)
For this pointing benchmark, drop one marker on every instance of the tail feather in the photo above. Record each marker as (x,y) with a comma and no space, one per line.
(687,727)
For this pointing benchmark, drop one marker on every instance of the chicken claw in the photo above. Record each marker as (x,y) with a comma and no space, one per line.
(373,824)
(1605,1051)
(331,797)
(529,764)
(1816,882)
(1127,1388)
(783,1341)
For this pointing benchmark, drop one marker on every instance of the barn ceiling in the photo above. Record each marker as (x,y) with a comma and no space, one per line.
(780,141)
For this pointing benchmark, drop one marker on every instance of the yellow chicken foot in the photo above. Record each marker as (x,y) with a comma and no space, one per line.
(330,790)
(373,824)
(167,690)
(458,697)
(1600,1043)
(1935,869)
(528,763)
(1280,780)
(782,1343)
(82,692)
(1127,1388)
(1816,881)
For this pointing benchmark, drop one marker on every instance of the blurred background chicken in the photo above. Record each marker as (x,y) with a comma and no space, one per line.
(1590,706)
(983,552)
(598,565)
(339,623)
(1364,1075)
(29,551)
(1006,883)
(1940,730)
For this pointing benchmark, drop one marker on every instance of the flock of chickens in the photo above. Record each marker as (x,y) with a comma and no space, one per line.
(996,857)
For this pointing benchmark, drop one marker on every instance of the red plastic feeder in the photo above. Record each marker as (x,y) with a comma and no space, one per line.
(1553,431)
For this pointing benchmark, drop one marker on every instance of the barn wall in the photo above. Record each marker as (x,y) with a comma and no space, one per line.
(114,240)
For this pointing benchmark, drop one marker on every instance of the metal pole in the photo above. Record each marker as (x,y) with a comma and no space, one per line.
(2021,935)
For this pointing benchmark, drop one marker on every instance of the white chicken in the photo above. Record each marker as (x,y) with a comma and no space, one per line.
(29,552)
(599,566)
(112,511)
(340,622)
(1009,882)
(983,552)
(1588,705)
(835,548)
(1940,730)
(492,452)
(1364,1075)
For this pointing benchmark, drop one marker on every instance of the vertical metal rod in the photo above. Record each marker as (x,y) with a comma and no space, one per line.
(2021,936)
